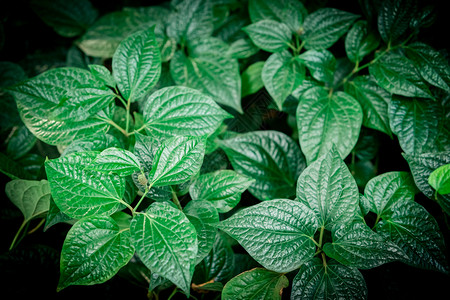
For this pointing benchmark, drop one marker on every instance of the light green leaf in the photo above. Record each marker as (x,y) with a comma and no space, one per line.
(325,119)
(270,157)
(257,283)
(360,41)
(94,250)
(281,74)
(102,74)
(330,280)
(374,101)
(283,228)
(166,243)
(177,160)
(440,179)
(222,188)
(416,122)
(30,196)
(328,188)
(242,48)
(251,79)
(398,75)
(79,192)
(413,229)
(96,142)
(383,191)
(356,245)
(325,26)
(321,64)
(116,160)
(137,64)
(269,35)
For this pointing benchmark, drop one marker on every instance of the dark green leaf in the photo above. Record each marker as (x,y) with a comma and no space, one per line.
(394,18)
(21,141)
(321,64)
(360,41)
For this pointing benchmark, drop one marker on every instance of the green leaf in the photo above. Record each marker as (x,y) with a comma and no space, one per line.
(317,280)
(166,242)
(251,79)
(283,228)
(321,64)
(12,169)
(270,157)
(383,191)
(289,12)
(203,215)
(416,122)
(394,19)
(431,64)
(222,188)
(137,64)
(374,101)
(209,69)
(95,142)
(79,192)
(360,41)
(356,245)
(177,160)
(102,74)
(398,75)
(94,250)
(269,35)
(328,188)
(21,141)
(30,196)
(242,48)
(116,160)
(413,229)
(281,74)
(181,111)
(257,283)
(440,179)
(325,119)
(67,18)
(325,26)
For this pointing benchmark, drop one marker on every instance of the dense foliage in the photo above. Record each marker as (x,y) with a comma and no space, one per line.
(224,149)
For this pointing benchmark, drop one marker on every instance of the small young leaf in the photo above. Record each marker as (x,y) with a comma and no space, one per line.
(269,35)
(270,157)
(321,64)
(255,284)
(166,242)
(93,252)
(136,64)
(440,179)
(103,75)
(116,160)
(177,160)
(283,228)
(317,280)
(360,41)
(98,141)
(328,188)
(223,188)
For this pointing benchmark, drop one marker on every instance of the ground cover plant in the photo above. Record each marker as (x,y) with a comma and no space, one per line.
(225,149)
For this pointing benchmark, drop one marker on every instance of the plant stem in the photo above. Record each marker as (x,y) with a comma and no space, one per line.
(376,221)
(175,199)
(37,226)
(322,229)
(142,198)
(324,261)
(127,124)
(17,234)
(175,290)
(114,124)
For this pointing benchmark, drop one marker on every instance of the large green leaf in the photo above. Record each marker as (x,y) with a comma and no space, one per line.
(67,18)
(321,64)
(79,192)
(416,122)
(360,41)
(394,19)
(30,196)
(270,157)
(325,26)
(258,284)
(356,245)
(177,160)
(223,188)
(94,250)
(328,188)
(374,101)
(137,64)
(317,280)
(383,191)
(181,111)
(413,229)
(116,160)
(325,119)
(440,179)
(209,69)
(166,242)
(276,233)
(398,75)
(269,35)
(281,74)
